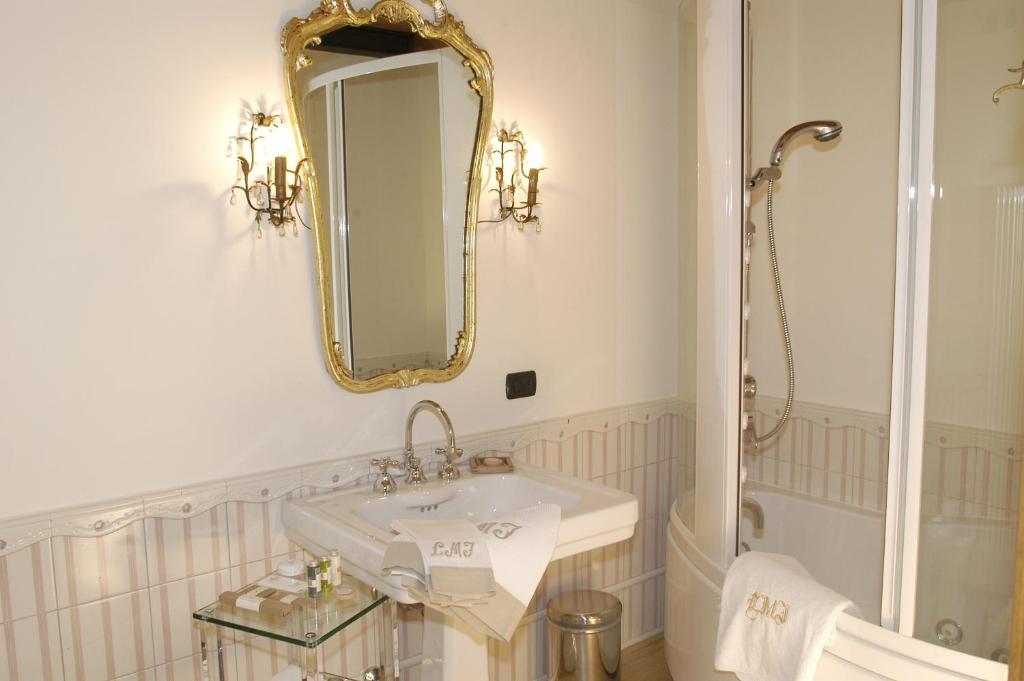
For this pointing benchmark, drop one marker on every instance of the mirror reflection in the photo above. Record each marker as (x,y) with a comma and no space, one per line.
(391,123)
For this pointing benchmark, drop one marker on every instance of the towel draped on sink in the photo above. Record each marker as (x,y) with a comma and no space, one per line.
(484,574)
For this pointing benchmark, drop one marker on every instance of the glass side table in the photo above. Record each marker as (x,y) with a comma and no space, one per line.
(305,630)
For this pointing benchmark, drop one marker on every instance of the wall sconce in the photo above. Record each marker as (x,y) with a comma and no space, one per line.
(272,196)
(513,162)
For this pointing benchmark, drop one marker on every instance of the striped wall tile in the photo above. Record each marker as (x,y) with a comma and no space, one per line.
(842,457)
(26,582)
(108,638)
(31,649)
(255,531)
(89,568)
(830,456)
(178,548)
(355,649)
(260,658)
(191,668)
(172,605)
(109,595)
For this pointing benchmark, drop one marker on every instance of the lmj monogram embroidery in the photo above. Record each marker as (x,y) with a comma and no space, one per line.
(456,549)
(760,604)
(499,530)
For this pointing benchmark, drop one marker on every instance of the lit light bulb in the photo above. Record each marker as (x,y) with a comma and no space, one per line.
(534,155)
(279,143)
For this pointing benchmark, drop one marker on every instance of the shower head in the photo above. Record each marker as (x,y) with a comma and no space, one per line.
(823,131)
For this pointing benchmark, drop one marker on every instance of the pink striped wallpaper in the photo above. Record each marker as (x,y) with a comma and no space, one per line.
(107,592)
(841,456)
(822,456)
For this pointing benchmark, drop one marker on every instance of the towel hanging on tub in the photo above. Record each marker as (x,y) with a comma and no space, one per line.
(775,619)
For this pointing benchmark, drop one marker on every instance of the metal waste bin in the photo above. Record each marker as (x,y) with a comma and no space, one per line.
(585,635)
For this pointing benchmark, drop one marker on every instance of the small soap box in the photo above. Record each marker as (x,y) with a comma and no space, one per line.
(490,463)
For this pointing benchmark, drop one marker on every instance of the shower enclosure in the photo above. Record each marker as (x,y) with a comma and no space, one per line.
(876,425)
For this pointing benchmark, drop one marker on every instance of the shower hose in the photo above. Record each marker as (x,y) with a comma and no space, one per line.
(758,439)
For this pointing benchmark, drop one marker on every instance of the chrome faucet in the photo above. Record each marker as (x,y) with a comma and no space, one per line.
(750,504)
(451,453)
(385,484)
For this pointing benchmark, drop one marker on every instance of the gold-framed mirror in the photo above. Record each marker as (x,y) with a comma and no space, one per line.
(392,109)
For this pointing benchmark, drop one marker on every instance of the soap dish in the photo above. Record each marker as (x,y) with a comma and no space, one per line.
(490,463)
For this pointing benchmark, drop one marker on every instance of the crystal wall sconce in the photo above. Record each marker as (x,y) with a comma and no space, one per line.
(272,193)
(514,165)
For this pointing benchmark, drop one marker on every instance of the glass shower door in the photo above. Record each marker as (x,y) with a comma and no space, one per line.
(974,401)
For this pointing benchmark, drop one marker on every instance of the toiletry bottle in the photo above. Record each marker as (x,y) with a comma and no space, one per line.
(325,575)
(313,579)
(335,567)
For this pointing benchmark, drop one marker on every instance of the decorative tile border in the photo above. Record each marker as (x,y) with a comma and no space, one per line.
(127,574)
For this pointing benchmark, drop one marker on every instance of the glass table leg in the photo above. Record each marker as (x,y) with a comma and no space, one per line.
(387,639)
(220,656)
(204,660)
(206,655)
(313,664)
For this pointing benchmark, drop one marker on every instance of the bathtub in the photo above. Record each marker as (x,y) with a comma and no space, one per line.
(842,548)
(862,650)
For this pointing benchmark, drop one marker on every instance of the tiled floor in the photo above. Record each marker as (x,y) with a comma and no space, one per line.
(645,661)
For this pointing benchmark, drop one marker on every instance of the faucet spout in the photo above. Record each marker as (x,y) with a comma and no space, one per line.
(451,452)
(757,513)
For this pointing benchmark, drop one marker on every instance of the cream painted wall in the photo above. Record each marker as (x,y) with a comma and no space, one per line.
(836,203)
(150,341)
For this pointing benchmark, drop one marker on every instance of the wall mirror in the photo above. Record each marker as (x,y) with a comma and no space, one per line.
(392,108)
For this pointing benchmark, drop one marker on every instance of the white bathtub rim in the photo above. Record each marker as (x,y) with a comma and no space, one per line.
(856,638)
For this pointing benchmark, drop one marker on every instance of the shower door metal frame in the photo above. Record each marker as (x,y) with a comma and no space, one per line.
(910,336)
(910,321)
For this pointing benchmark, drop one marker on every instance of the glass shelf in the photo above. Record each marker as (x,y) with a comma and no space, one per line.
(308,626)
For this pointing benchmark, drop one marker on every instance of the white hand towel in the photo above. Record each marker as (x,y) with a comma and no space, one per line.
(775,619)
(453,557)
(517,547)
(521,545)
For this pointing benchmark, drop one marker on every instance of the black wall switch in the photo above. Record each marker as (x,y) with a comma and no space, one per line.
(520,384)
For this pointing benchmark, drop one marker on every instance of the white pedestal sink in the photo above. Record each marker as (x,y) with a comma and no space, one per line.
(357,522)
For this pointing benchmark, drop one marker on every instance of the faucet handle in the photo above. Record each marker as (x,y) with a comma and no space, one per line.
(449,455)
(382,465)
(448,471)
(385,483)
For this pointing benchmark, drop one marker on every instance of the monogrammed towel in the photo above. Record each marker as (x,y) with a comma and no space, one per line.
(775,619)
(519,546)
(449,557)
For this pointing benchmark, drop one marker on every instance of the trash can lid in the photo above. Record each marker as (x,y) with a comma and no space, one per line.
(575,609)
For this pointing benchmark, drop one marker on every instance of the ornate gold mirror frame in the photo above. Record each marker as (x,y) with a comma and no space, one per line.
(300,34)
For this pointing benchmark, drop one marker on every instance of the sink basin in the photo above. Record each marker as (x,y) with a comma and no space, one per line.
(478,500)
(357,521)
